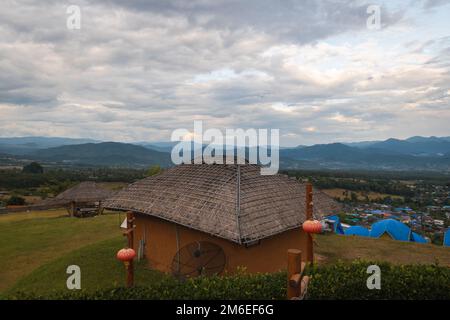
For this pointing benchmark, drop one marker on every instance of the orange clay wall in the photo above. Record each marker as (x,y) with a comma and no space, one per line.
(161,246)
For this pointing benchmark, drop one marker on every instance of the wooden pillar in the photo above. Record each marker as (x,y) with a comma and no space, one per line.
(309,216)
(100,208)
(72,208)
(294,270)
(130,228)
(130,236)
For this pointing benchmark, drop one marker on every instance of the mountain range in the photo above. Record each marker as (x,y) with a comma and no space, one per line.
(415,153)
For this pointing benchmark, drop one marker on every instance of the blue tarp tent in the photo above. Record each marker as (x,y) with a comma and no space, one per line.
(396,229)
(447,238)
(415,237)
(337,224)
(357,231)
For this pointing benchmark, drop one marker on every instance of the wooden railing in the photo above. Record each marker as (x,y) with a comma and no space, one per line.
(297,282)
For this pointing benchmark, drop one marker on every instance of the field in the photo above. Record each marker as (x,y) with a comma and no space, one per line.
(343,194)
(37,247)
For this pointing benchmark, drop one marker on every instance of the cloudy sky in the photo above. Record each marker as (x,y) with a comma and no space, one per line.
(137,70)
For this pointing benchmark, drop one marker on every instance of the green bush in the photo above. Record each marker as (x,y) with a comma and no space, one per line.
(15,201)
(398,282)
(33,167)
(241,286)
(335,281)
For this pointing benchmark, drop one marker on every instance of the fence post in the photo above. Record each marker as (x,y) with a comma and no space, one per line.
(294,271)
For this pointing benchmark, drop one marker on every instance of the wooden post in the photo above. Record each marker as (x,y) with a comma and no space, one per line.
(130,236)
(72,208)
(294,273)
(309,216)
(100,208)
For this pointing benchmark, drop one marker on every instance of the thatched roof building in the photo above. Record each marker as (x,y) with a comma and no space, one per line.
(234,202)
(204,219)
(84,192)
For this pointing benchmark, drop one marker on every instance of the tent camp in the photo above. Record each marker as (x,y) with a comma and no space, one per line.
(336,221)
(391,228)
(447,238)
(415,237)
(357,231)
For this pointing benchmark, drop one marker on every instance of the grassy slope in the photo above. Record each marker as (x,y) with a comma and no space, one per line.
(99,269)
(336,247)
(29,240)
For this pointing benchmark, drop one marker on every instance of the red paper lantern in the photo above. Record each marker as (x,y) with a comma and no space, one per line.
(126,254)
(312,226)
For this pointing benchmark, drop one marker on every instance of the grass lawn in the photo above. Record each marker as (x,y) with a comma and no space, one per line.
(31,239)
(99,269)
(334,247)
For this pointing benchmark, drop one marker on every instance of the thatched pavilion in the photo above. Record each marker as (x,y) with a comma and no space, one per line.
(86,194)
(245,218)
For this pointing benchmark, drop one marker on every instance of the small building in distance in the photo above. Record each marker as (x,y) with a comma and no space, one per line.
(84,198)
(210,218)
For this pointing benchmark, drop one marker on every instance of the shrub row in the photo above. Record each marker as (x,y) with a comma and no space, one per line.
(241,286)
(336,281)
(398,282)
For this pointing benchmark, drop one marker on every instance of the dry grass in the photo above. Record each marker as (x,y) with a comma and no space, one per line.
(340,194)
(337,247)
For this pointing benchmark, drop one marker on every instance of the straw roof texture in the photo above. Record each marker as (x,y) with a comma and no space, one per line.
(230,201)
(84,192)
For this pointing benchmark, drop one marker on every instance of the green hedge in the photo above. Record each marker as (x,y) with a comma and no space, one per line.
(336,281)
(398,282)
(241,286)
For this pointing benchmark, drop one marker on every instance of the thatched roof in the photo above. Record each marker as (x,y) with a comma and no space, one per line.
(84,192)
(234,202)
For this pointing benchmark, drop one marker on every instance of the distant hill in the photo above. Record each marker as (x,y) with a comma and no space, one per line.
(26,145)
(340,156)
(103,154)
(415,146)
(158,146)
(415,153)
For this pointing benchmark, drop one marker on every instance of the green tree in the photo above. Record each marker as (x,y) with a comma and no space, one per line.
(33,167)
(15,201)
(153,170)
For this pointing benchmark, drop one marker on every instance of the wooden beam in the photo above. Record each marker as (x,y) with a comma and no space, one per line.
(297,278)
(294,268)
(127,232)
(309,216)
(130,236)
(304,286)
(130,229)
(309,201)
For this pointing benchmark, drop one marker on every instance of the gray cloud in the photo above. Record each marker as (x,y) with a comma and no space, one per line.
(139,69)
